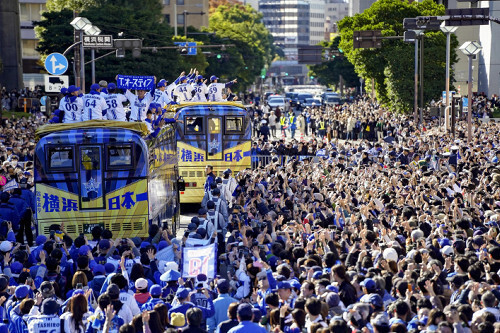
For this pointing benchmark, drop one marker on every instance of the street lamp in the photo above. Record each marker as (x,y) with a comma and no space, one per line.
(448,30)
(470,49)
(92,30)
(415,105)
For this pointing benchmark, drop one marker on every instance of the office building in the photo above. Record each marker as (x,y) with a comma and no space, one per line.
(193,8)
(335,10)
(359,6)
(10,48)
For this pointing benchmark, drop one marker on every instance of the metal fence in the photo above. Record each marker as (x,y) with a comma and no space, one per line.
(264,160)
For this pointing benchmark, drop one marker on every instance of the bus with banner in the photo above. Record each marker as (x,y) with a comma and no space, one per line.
(104,173)
(215,133)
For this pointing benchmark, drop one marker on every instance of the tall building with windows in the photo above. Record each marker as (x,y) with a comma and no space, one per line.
(193,8)
(29,12)
(359,6)
(335,10)
(294,22)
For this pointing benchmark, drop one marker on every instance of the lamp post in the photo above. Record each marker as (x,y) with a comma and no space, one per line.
(92,31)
(80,24)
(415,105)
(448,31)
(470,49)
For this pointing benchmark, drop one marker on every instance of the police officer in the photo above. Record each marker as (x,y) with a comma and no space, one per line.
(321,128)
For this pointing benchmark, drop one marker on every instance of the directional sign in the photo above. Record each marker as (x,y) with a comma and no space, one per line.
(56,64)
(467,16)
(465,102)
(54,83)
(367,39)
(451,95)
(191,47)
(101,41)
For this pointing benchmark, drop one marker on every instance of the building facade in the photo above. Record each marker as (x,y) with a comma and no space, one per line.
(335,10)
(194,8)
(29,12)
(359,6)
(10,45)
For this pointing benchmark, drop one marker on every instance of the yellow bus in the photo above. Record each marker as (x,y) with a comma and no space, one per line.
(215,133)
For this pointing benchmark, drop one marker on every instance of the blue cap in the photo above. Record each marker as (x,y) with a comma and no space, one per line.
(109,268)
(99,269)
(16,267)
(332,288)
(161,84)
(22,291)
(182,78)
(295,284)
(50,306)
(162,244)
(202,211)
(95,86)
(170,275)
(64,90)
(199,77)
(83,250)
(223,284)
(444,241)
(111,85)
(317,275)
(369,284)
(104,244)
(145,244)
(213,78)
(376,300)
(155,290)
(182,293)
(284,285)
(245,310)
(73,88)
(192,226)
(41,239)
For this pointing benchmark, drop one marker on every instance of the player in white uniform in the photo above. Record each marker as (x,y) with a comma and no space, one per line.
(215,89)
(184,91)
(160,96)
(139,104)
(72,105)
(201,90)
(94,105)
(48,321)
(115,104)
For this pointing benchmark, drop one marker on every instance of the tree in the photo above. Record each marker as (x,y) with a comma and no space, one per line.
(213,4)
(391,65)
(133,19)
(328,72)
(76,5)
(242,26)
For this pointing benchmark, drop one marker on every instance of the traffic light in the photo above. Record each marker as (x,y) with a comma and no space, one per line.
(340,50)
(311,77)
(286,74)
(262,76)
(219,56)
(128,44)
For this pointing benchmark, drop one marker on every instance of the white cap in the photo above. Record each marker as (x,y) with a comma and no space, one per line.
(5,246)
(447,250)
(390,254)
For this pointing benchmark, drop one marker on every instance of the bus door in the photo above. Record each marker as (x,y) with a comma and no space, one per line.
(91,178)
(214,138)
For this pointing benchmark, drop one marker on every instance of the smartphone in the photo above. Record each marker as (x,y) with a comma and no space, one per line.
(79,286)
(22,247)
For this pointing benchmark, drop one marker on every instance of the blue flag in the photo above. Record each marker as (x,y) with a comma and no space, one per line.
(134,82)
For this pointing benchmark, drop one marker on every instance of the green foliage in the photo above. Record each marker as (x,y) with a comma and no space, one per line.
(329,70)
(242,26)
(392,66)
(135,19)
(76,5)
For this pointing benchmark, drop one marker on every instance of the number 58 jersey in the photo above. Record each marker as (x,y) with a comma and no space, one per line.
(115,107)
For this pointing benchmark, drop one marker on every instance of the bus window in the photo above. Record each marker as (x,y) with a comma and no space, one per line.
(234,125)
(214,151)
(119,156)
(194,125)
(91,184)
(60,158)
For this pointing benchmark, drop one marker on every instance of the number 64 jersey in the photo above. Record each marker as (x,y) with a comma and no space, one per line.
(115,107)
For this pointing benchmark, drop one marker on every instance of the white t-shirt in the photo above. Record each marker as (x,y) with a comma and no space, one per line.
(215,92)
(183,92)
(138,107)
(72,110)
(93,106)
(200,91)
(115,107)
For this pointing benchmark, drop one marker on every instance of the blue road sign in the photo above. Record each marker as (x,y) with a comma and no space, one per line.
(465,102)
(444,95)
(191,47)
(56,64)
(43,100)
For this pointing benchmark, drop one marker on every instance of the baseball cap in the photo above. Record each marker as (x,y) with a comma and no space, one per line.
(162,244)
(5,246)
(182,78)
(22,291)
(199,77)
(141,283)
(182,293)
(50,307)
(223,284)
(111,86)
(228,171)
(332,299)
(161,84)
(213,78)
(284,285)
(170,275)
(109,268)
(104,244)
(380,319)
(202,211)
(447,250)
(369,284)
(41,239)
(375,300)
(16,267)
(73,88)
(192,227)
(83,250)
(95,86)
(245,310)
(103,83)
(64,90)
(155,290)
(99,269)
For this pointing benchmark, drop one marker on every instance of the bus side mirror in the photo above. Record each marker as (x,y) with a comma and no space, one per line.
(181,184)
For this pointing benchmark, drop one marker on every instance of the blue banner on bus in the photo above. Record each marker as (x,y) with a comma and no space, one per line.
(134,82)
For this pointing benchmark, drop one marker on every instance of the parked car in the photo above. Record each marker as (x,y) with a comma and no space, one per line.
(275,102)
(311,102)
(331,100)
(301,99)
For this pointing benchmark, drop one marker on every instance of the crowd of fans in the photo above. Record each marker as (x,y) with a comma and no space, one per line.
(381,227)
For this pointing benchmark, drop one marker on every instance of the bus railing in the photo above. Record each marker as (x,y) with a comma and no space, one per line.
(260,160)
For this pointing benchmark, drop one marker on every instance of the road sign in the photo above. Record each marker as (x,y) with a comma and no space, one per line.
(310,54)
(422,23)
(101,41)
(191,47)
(43,100)
(467,16)
(367,39)
(451,95)
(56,64)
(53,84)
(465,102)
